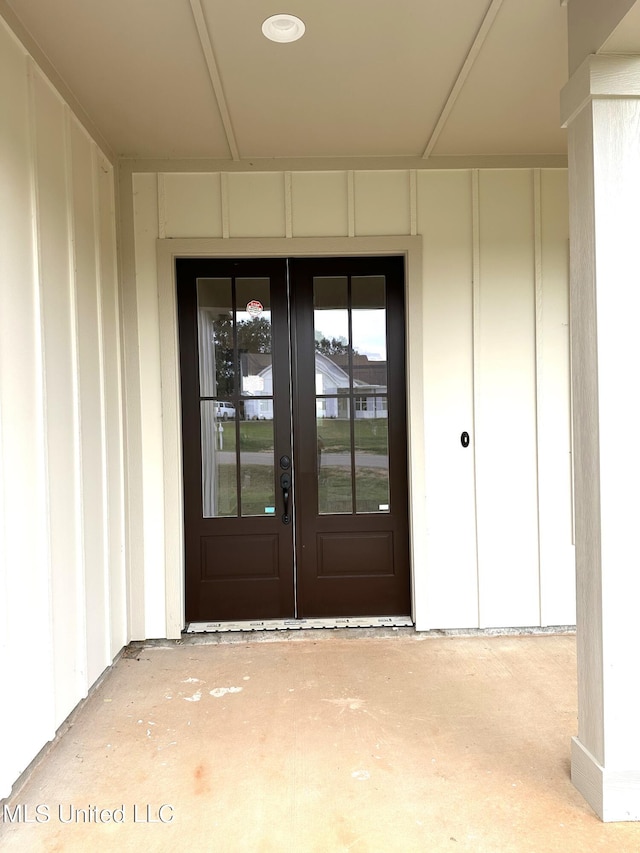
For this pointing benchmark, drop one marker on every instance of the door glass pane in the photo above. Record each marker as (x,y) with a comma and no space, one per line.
(331,332)
(333,429)
(257,476)
(253,316)
(371,454)
(215,337)
(369,333)
(218,444)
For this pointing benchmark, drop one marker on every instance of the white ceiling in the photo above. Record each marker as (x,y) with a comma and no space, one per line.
(196,78)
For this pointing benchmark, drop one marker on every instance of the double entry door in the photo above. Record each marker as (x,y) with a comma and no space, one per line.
(294,438)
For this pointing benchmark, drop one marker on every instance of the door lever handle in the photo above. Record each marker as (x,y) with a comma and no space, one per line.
(285,485)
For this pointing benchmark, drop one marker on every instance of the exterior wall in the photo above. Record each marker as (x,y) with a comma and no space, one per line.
(492,346)
(63,612)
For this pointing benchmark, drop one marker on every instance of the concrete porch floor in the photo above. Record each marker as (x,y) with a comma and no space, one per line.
(322,741)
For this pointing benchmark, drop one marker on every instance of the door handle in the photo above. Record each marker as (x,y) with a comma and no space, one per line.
(285,485)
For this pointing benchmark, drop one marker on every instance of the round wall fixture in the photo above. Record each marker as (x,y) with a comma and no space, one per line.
(283,28)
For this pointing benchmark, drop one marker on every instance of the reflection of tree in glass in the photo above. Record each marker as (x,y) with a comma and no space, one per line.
(254,336)
(332,346)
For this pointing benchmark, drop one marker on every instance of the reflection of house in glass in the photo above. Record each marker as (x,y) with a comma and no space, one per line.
(369,392)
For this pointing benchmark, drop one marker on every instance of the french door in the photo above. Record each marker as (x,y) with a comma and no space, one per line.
(294,438)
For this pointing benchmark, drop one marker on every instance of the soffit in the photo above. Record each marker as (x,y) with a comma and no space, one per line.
(367,79)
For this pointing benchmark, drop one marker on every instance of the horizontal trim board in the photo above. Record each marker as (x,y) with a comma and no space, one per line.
(345,164)
(300,624)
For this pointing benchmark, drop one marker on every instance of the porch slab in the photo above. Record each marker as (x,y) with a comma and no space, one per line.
(320,741)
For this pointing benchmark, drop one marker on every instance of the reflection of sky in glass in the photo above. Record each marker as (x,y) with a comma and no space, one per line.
(331,324)
(244,317)
(369,332)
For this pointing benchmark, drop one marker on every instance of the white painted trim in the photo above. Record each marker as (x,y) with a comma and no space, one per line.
(263,247)
(475,346)
(132,165)
(106,565)
(162,206)
(288,209)
(351,203)
(538,347)
(224,203)
(614,795)
(82,666)
(413,201)
(602,76)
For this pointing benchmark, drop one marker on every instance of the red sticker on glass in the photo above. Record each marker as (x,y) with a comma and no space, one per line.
(254,308)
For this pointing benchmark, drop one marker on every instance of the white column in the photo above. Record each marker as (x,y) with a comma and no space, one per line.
(601,107)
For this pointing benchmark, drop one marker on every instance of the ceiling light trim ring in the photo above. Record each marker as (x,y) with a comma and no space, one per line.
(283,28)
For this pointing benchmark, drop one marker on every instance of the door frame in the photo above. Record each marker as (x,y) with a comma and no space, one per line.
(167,250)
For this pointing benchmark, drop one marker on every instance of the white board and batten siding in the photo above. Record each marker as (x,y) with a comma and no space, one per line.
(494,356)
(63,614)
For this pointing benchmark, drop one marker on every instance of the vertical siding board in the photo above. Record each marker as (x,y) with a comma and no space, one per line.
(132,199)
(148,517)
(80,587)
(505,403)
(42,600)
(90,398)
(382,203)
(28,713)
(58,333)
(320,205)
(557,558)
(256,204)
(444,218)
(112,406)
(191,205)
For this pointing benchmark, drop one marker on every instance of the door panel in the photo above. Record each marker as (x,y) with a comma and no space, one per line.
(350,441)
(233,333)
(294,422)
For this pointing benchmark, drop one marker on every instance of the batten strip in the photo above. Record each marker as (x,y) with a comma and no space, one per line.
(474,51)
(214,74)
(475,308)
(288,210)
(351,203)
(224,203)
(539,331)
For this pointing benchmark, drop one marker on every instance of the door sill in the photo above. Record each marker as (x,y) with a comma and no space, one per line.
(299,624)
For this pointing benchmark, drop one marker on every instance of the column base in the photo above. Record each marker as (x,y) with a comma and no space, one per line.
(614,795)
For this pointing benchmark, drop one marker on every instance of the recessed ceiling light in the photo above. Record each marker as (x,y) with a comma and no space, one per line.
(283,28)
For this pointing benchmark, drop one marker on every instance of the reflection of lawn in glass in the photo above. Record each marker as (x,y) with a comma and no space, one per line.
(254,436)
(370,435)
(334,490)
(256,485)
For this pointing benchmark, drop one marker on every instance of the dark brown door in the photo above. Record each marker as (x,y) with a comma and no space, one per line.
(294,438)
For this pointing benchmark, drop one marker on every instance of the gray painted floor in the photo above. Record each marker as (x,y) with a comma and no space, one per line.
(321,741)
